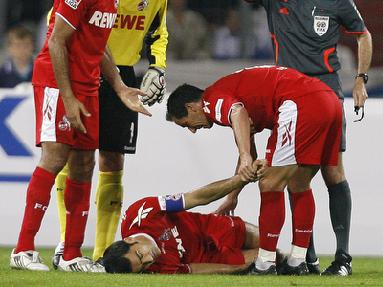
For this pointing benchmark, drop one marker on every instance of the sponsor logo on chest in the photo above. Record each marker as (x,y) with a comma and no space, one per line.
(321,24)
(103,19)
(130,22)
(181,250)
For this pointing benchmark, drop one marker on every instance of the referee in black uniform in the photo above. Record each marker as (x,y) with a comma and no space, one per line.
(305,34)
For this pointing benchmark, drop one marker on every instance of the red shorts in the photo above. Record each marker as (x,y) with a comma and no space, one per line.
(53,126)
(307,131)
(225,236)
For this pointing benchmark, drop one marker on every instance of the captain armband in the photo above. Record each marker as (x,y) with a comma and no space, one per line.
(172,203)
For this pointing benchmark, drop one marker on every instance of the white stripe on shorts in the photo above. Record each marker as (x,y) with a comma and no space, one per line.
(285,147)
(48,126)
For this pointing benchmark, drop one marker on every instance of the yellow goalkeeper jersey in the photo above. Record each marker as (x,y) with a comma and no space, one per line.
(139,22)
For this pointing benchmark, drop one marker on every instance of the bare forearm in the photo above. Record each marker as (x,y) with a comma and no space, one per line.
(59,56)
(241,128)
(212,268)
(110,71)
(364,52)
(212,192)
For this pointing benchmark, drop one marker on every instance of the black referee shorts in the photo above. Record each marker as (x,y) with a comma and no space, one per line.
(333,81)
(118,124)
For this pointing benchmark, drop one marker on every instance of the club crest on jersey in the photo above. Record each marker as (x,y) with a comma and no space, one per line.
(321,24)
(73,3)
(116,3)
(142,5)
(64,124)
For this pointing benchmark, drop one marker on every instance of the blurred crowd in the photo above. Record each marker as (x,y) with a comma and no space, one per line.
(221,29)
(218,32)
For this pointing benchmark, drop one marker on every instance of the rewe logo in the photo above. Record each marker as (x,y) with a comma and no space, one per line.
(40,206)
(130,22)
(103,19)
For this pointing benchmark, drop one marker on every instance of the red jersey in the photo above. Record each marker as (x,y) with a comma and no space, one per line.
(185,237)
(93,21)
(261,90)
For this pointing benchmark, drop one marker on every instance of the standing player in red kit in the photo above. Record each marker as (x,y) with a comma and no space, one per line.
(292,106)
(66,80)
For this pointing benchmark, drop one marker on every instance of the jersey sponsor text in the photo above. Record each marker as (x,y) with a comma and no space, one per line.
(103,19)
(130,22)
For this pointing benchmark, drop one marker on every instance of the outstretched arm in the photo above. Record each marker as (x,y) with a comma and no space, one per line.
(129,96)
(210,192)
(213,191)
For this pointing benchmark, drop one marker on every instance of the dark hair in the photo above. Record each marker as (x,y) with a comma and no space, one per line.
(176,105)
(114,260)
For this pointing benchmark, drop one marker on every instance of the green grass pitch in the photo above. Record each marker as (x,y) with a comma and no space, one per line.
(367,271)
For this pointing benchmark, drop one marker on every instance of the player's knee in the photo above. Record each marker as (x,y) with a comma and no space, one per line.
(298,186)
(272,184)
(53,164)
(333,175)
(82,170)
(111,161)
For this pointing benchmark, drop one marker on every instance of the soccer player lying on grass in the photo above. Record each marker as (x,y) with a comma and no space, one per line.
(159,236)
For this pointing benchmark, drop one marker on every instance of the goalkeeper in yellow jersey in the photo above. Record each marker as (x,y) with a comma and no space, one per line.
(139,24)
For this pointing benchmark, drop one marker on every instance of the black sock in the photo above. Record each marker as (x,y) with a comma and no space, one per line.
(340,213)
(311,255)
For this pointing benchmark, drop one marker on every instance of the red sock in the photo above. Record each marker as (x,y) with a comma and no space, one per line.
(303,212)
(271,219)
(76,197)
(37,201)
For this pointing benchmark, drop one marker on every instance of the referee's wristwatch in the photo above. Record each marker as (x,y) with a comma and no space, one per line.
(364,76)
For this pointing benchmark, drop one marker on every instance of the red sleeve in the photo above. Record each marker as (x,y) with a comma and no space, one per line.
(137,217)
(218,105)
(72,11)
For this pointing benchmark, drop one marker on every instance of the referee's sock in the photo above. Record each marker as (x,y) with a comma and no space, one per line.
(108,202)
(60,187)
(340,213)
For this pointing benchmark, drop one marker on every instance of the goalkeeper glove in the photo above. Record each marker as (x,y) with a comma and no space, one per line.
(154,86)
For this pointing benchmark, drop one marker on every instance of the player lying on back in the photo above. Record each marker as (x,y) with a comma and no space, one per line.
(159,236)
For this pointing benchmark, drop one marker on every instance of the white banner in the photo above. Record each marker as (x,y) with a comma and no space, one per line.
(170,160)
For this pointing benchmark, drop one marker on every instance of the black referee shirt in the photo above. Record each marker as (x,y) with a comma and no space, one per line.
(305,33)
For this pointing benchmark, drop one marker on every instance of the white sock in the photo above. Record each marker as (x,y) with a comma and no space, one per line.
(297,256)
(265,259)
